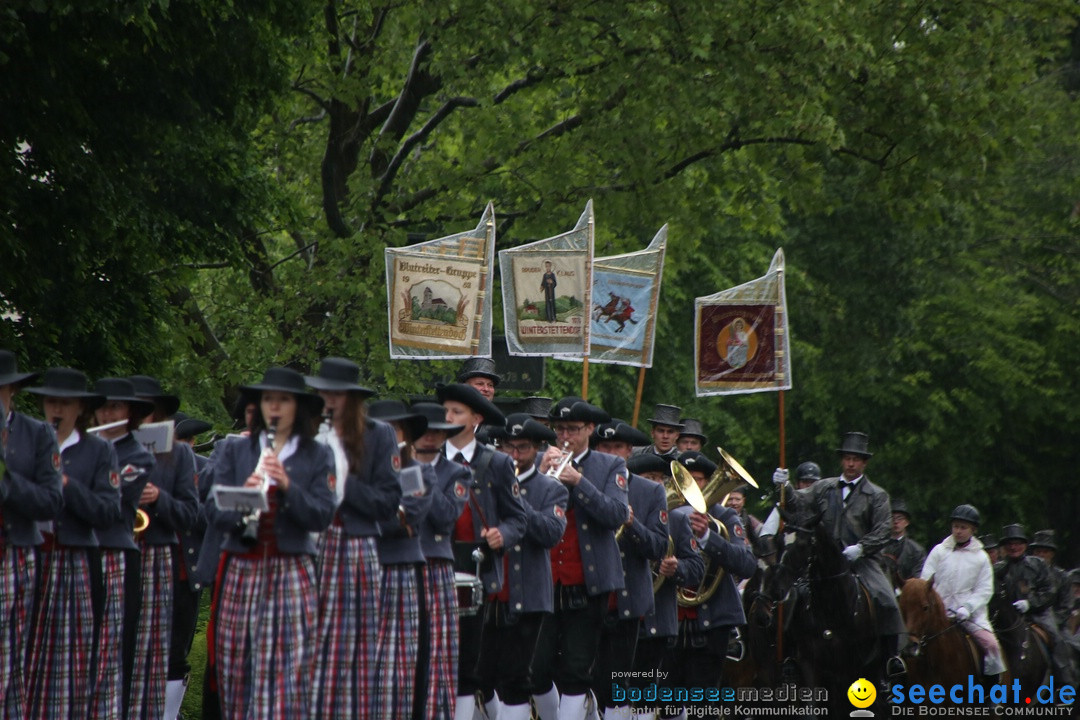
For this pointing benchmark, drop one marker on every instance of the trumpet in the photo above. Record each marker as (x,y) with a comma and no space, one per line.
(142,522)
(249,533)
(567,456)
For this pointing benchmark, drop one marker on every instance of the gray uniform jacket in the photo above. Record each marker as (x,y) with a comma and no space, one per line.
(448,496)
(663,621)
(642,542)
(177,507)
(531,588)
(135,464)
(32,488)
(724,609)
(600,506)
(399,539)
(372,491)
(92,494)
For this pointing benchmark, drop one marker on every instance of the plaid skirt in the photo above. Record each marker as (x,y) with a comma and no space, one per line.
(146,700)
(441,593)
(345,680)
(16,607)
(265,637)
(107,679)
(58,674)
(399,632)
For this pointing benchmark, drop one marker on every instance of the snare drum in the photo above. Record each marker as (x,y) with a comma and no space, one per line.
(470,593)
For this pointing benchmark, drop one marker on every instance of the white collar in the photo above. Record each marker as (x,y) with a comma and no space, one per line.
(72,439)
(469,451)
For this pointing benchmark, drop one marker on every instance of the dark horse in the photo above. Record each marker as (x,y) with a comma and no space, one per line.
(945,654)
(1026,654)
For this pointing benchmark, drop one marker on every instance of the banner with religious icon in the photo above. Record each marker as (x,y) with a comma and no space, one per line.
(741,340)
(626,290)
(439,294)
(547,291)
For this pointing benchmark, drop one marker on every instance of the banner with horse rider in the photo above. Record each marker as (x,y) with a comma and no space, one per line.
(547,293)
(626,290)
(439,294)
(741,340)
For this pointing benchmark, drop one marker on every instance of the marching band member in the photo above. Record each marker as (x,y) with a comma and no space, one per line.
(585,565)
(265,626)
(452,482)
(61,649)
(493,519)
(368,491)
(31,491)
(118,592)
(515,619)
(404,631)
(643,541)
(697,660)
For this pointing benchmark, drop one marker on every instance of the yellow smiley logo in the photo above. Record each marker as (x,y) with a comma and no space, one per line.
(862,693)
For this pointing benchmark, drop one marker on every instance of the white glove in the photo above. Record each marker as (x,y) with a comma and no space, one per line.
(853,552)
(962,613)
(780,476)
(1022,606)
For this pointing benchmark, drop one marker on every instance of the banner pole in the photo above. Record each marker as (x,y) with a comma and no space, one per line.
(782,460)
(585,378)
(637,395)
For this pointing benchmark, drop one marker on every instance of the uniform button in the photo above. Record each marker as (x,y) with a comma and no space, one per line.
(517,548)
(438,538)
(593,589)
(517,566)
(622,554)
(626,613)
(588,547)
(517,606)
(706,623)
(584,526)
(652,631)
(591,568)
(624,593)
(524,491)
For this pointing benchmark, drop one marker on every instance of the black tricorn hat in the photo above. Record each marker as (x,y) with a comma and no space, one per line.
(900,506)
(66,383)
(524,427)
(648,462)
(667,415)
(693,460)
(618,431)
(9,370)
(1014,532)
(537,407)
(122,390)
(338,375)
(855,443)
(693,428)
(470,397)
(189,427)
(574,409)
(149,387)
(284,379)
(436,418)
(1043,539)
(390,411)
(478,367)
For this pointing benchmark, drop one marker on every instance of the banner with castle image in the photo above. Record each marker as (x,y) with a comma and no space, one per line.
(547,291)
(438,294)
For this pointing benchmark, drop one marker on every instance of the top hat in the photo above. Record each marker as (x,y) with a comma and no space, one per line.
(9,370)
(648,462)
(122,390)
(692,428)
(1014,532)
(1043,539)
(524,427)
(66,383)
(470,397)
(338,375)
(537,407)
(390,411)
(667,415)
(478,367)
(619,431)
(693,460)
(436,418)
(149,387)
(899,506)
(855,443)
(574,409)
(189,427)
(287,380)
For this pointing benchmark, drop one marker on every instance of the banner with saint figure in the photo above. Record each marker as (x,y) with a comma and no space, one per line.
(438,294)
(626,290)
(741,340)
(547,291)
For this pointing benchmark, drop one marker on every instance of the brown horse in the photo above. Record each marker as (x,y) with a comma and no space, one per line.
(945,654)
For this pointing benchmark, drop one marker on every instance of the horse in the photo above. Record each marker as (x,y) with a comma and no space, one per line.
(1026,653)
(945,654)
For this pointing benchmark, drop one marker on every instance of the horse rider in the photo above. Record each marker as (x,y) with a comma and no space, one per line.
(1045,548)
(666,427)
(902,557)
(692,436)
(857,514)
(963,578)
(1027,579)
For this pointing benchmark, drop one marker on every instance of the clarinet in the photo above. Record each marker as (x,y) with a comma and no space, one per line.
(249,524)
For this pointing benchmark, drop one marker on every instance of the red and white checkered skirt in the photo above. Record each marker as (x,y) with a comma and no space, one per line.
(16,608)
(107,683)
(58,674)
(442,605)
(349,581)
(399,633)
(146,700)
(265,636)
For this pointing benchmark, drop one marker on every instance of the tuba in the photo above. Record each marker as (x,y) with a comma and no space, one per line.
(728,476)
